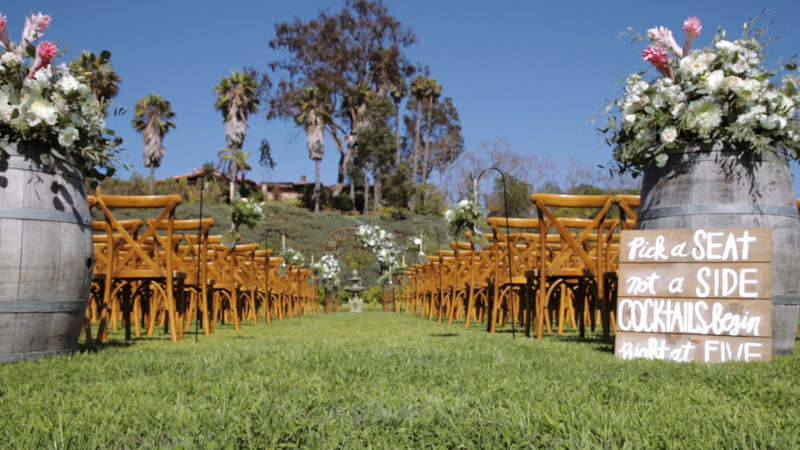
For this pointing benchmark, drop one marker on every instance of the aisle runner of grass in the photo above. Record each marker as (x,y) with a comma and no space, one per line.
(389,381)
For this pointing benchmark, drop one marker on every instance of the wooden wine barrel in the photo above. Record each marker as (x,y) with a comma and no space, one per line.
(45,259)
(718,187)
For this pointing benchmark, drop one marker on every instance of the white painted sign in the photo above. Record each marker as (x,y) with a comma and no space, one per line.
(695,295)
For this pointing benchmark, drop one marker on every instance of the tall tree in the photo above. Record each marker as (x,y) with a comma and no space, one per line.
(99,74)
(312,113)
(397,93)
(226,160)
(336,53)
(432,92)
(419,90)
(237,97)
(153,117)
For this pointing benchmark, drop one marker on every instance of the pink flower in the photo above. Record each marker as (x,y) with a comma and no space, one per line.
(657,56)
(691,29)
(34,27)
(4,32)
(44,53)
(663,37)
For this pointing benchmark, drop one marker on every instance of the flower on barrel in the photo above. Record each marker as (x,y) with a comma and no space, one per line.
(50,108)
(327,269)
(722,94)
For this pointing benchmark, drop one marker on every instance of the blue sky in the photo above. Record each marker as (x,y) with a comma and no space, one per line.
(531,73)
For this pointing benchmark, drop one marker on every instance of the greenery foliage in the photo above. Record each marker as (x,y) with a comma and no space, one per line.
(381,380)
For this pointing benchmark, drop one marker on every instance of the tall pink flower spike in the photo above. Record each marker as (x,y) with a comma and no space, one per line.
(663,37)
(657,56)
(691,29)
(34,27)
(44,53)
(4,32)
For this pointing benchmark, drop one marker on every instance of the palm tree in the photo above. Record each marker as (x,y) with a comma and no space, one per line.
(432,93)
(312,113)
(153,119)
(397,93)
(242,166)
(419,89)
(99,74)
(237,97)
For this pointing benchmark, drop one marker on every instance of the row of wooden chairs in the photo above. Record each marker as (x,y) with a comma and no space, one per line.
(555,264)
(167,272)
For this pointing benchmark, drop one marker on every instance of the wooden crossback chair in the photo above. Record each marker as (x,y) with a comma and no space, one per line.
(464,259)
(523,248)
(628,208)
(482,269)
(97,301)
(153,266)
(191,258)
(448,268)
(577,263)
(262,271)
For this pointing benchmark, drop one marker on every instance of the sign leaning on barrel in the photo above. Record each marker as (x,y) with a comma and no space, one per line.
(695,295)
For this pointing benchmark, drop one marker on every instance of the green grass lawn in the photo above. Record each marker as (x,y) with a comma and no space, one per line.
(387,380)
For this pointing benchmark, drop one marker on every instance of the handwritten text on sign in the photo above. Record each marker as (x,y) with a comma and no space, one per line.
(695,295)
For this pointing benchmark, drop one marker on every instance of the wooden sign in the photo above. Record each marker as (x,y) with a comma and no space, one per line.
(695,295)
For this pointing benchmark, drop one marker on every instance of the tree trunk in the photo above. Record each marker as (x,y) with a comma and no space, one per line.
(317,186)
(427,156)
(397,135)
(377,176)
(365,211)
(233,170)
(344,162)
(415,157)
(152,178)
(353,193)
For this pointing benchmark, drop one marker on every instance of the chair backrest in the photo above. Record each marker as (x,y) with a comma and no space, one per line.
(147,260)
(518,239)
(583,237)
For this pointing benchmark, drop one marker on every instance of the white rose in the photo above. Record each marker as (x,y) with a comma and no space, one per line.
(67,136)
(715,80)
(668,135)
(678,110)
(42,111)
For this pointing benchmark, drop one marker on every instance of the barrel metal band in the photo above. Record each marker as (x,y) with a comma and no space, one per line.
(31,166)
(722,156)
(50,215)
(42,306)
(786,299)
(689,210)
(14,357)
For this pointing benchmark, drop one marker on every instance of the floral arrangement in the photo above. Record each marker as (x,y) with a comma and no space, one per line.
(383,245)
(327,269)
(722,94)
(414,245)
(292,257)
(246,212)
(464,216)
(49,108)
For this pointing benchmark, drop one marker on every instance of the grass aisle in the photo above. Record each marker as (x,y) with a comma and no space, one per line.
(390,381)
